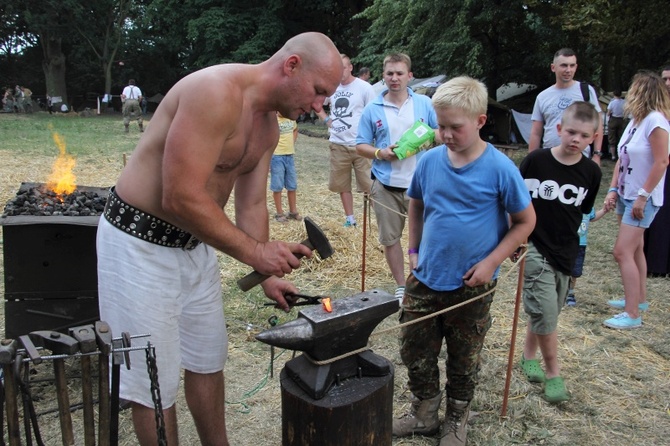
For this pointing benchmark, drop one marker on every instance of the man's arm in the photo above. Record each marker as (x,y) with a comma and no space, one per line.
(522,224)
(598,143)
(536,131)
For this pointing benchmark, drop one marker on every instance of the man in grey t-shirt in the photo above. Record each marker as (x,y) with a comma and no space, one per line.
(552,102)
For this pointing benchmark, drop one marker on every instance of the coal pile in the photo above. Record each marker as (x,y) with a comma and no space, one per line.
(38,201)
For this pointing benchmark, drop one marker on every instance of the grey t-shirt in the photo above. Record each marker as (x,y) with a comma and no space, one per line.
(550,105)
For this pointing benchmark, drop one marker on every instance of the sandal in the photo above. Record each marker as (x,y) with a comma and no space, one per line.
(532,369)
(294,216)
(281,218)
(554,390)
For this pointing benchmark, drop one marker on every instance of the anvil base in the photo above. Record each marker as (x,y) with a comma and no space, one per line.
(316,380)
(356,411)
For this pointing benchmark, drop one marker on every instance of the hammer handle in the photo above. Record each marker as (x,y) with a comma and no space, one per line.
(255,278)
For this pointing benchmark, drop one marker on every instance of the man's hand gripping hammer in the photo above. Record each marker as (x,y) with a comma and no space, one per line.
(316,240)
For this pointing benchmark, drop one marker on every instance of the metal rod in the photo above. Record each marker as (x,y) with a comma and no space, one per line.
(366,204)
(510,359)
(78,355)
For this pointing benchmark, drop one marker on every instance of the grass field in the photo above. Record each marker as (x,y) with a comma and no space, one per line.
(619,381)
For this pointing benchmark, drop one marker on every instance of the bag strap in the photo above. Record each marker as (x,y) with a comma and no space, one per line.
(586,94)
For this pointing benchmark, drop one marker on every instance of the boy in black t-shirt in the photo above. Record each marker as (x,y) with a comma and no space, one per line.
(563,185)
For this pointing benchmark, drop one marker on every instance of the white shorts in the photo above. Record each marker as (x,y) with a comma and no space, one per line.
(170,293)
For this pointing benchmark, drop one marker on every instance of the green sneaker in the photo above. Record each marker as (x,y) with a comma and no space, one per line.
(532,369)
(554,390)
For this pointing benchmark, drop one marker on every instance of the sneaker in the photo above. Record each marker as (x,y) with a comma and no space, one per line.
(348,224)
(571,301)
(623,321)
(399,294)
(621,304)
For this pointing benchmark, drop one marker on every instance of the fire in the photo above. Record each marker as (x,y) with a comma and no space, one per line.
(62,180)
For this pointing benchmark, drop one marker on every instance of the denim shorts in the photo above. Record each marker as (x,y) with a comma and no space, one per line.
(579,262)
(282,173)
(625,209)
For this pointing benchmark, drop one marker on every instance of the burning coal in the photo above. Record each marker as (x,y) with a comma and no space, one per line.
(38,200)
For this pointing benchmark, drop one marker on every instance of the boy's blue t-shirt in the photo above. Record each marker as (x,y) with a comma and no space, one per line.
(464,212)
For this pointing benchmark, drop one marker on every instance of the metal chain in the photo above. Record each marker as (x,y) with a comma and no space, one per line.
(156,394)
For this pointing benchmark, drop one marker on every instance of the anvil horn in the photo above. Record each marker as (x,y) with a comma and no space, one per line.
(325,335)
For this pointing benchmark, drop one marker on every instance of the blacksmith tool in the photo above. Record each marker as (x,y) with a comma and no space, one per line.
(117,359)
(316,240)
(8,349)
(29,413)
(59,344)
(292,300)
(103,337)
(85,335)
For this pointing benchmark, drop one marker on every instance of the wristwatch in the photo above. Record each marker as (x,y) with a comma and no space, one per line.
(643,193)
(597,153)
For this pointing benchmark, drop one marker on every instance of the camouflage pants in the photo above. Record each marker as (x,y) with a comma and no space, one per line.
(131,110)
(463,330)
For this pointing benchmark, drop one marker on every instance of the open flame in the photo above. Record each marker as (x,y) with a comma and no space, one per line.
(62,180)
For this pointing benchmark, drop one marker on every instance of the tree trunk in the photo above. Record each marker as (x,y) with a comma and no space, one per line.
(54,67)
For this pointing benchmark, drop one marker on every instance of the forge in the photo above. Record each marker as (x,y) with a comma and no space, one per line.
(50,264)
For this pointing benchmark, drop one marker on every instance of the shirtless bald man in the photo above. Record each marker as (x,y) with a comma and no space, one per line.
(214,131)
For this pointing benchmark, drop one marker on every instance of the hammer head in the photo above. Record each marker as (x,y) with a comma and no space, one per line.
(317,240)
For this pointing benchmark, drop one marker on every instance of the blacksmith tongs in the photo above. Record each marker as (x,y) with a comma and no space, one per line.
(309,300)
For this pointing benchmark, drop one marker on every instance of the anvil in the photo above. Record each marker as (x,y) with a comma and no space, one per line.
(325,335)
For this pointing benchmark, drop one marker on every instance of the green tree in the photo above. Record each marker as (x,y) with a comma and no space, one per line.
(495,41)
(102,25)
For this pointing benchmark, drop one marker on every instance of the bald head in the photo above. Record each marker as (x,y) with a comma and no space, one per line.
(312,47)
(312,70)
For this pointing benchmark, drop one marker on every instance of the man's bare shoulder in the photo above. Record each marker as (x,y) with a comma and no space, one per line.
(227,79)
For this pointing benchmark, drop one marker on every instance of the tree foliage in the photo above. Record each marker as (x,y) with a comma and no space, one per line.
(97,46)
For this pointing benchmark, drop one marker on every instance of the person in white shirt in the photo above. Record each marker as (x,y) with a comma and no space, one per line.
(131,98)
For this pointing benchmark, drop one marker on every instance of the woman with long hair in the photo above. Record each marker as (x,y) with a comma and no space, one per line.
(637,189)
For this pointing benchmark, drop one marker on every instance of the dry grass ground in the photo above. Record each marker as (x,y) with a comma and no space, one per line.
(619,381)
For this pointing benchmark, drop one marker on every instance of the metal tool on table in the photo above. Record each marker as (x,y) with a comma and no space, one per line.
(316,241)
(59,344)
(8,349)
(103,337)
(85,335)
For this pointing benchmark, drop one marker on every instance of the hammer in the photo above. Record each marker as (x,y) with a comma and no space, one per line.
(59,344)
(87,344)
(103,336)
(316,240)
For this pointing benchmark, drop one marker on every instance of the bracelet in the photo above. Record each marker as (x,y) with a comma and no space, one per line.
(411,251)
(377,153)
(613,189)
(326,119)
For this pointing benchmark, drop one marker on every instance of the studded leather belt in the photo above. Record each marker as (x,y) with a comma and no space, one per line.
(145,226)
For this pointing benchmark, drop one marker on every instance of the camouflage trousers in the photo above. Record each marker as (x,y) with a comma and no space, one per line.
(462,329)
(132,110)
